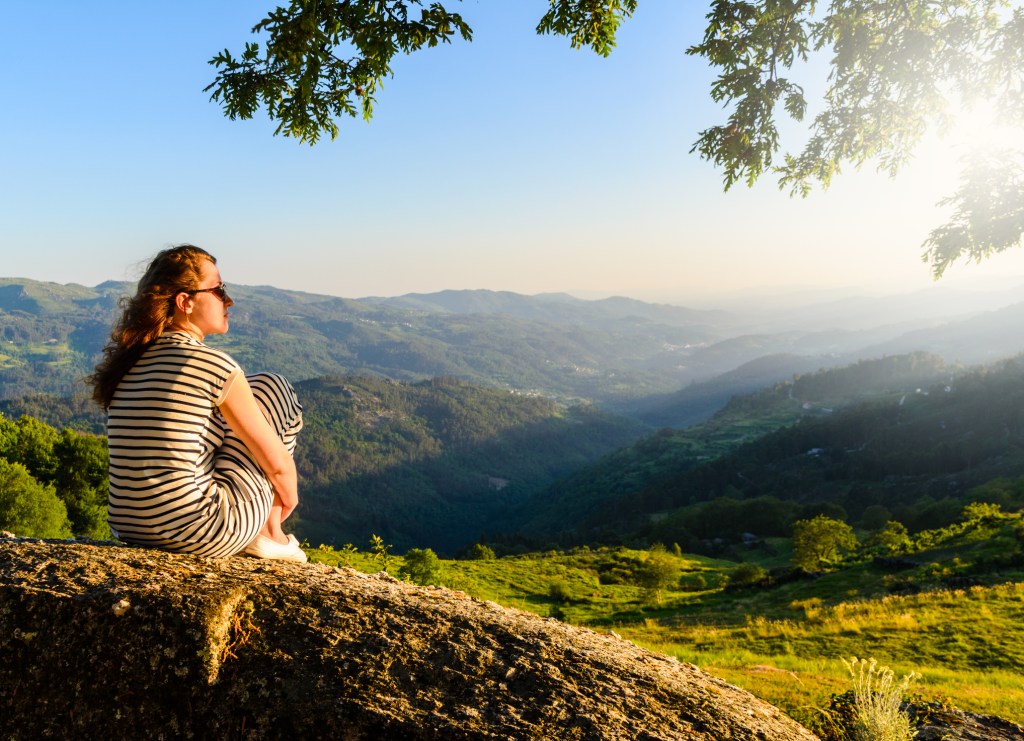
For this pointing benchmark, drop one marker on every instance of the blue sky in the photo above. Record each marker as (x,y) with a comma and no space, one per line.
(512,163)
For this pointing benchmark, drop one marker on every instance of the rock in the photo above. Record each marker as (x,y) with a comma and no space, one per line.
(106,641)
(938,723)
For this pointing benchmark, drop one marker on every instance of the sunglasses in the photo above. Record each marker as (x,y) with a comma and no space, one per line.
(218,291)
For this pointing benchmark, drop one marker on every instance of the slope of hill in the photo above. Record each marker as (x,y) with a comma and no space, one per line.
(927,433)
(434,464)
(701,399)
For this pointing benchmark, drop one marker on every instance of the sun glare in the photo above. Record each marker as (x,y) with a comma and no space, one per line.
(979,129)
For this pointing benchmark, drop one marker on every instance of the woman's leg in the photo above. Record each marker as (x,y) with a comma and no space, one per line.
(272,527)
(259,508)
(277,400)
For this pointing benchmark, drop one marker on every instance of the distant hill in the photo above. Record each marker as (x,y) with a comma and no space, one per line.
(560,308)
(700,400)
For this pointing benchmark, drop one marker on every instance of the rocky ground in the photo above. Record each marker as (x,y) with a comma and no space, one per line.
(101,640)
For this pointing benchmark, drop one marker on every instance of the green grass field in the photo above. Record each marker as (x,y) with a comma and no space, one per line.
(784,643)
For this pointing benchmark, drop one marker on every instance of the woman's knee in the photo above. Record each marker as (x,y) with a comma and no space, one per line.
(277,399)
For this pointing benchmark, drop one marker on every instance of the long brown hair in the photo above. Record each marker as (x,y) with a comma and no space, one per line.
(145,315)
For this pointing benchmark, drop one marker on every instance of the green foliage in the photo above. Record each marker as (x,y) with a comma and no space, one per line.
(892,539)
(658,572)
(421,566)
(28,508)
(820,542)
(560,591)
(480,552)
(81,480)
(71,464)
(590,23)
(896,71)
(31,443)
(877,700)
(324,60)
(747,575)
(982,511)
(381,551)
(987,213)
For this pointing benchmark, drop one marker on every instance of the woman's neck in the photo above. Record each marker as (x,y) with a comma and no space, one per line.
(188,328)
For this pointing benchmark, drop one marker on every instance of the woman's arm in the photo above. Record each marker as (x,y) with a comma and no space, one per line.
(246,420)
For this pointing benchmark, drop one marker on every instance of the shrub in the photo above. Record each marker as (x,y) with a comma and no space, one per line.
(422,566)
(981,511)
(747,575)
(560,591)
(480,552)
(29,508)
(892,539)
(381,551)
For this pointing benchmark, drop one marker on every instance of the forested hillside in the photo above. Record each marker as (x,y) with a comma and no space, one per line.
(438,463)
(913,452)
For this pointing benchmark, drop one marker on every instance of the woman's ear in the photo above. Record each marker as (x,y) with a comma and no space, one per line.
(183,302)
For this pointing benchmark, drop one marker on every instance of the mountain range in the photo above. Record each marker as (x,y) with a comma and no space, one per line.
(662,364)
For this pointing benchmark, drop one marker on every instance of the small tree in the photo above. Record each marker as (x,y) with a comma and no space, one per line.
(819,541)
(380,551)
(480,552)
(421,566)
(892,539)
(747,575)
(28,507)
(658,572)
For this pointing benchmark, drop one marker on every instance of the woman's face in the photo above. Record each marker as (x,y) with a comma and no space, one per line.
(209,312)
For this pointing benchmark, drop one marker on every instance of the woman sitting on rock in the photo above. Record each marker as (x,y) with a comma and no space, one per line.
(200,454)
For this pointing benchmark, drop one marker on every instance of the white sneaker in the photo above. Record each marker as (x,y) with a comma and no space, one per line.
(264,547)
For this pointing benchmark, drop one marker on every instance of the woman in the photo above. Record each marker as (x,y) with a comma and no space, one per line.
(200,455)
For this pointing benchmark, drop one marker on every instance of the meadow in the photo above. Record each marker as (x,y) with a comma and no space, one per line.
(954,617)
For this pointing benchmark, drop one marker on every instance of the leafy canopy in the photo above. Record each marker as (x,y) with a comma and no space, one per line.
(820,541)
(897,70)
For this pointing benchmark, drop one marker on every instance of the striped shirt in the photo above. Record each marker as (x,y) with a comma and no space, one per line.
(164,432)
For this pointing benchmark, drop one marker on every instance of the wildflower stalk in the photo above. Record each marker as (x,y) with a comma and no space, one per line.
(877,701)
